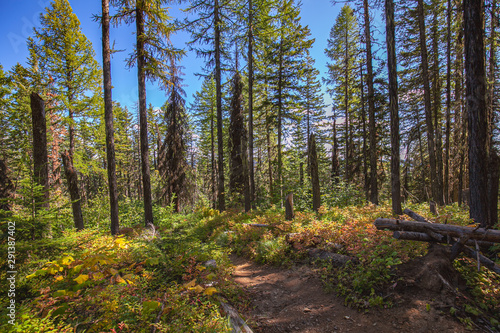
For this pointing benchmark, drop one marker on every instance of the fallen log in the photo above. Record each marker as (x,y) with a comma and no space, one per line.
(484,260)
(415,216)
(481,234)
(423,237)
(238,325)
(258,225)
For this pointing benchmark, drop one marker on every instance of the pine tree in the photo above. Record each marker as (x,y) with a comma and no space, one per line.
(108,115)
(343,51)
(286,54)
(393,106)
(176,119)
(67,56)
(151,55)
(210,28)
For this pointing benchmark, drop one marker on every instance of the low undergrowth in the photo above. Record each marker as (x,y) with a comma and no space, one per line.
(91,282)
(350,231)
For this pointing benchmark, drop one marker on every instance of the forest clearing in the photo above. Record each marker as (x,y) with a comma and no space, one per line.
(299,182)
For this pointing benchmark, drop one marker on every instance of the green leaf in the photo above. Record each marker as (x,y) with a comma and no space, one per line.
(152,261)
(81,278)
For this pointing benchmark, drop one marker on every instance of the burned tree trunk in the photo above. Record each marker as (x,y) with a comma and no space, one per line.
(475,74)
(40,156)
(493,174)
(316,192)
(72,179)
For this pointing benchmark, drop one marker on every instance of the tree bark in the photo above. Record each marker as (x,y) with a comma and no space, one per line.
(335,160)
(143,121)
(72,178)
(493,174)
(371,108)
(316,191)
(393,107)
(218,92)
(40,156)
(482,234)
(250,102)
(427,101)
(108,119)
(477,110)
(446,188)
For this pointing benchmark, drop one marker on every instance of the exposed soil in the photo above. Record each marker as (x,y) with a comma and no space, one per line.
(294,300)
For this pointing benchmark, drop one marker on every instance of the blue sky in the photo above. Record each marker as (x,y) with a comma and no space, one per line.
(18,17)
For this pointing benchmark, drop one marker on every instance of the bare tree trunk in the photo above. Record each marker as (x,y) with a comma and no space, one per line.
(366,178)
(477,110)
(108,118)
(40,156)
(393,107)
(448,106)
(72,178)
(143,121)
(436,92)
(427,101)
(335,160)
(218,92)
(250,102)
(289,214)
(371,108)
(316,191)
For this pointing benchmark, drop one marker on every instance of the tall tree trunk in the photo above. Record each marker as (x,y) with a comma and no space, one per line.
(371,108)
(218,92)
(366,178)
(250,102)
(436,92)
(280,111)
(393,107)
(316,192)
(72,178)
(212,156)
(143,121)
(446,188)
(335,160)
(40,156)
(108,118)
(427,101)
(346,102)
(477,110)
(269,161)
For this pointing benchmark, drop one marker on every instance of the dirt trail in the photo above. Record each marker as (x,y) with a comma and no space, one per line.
(293,300)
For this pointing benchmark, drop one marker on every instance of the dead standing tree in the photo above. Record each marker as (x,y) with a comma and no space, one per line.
(72,178)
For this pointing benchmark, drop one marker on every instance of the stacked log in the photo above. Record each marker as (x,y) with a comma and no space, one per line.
(461,237)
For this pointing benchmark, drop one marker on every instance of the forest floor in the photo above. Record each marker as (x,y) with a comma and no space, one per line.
(294,300)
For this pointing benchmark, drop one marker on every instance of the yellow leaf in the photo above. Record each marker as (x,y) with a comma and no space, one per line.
(77,268)
(210,290)
(97,276)
(200,268)
(129,276)
(67,260)
(59,293)
(198,289)
(210,276)
(58,278)
(112,271)
(81,278)
(190,284)
(119,279)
